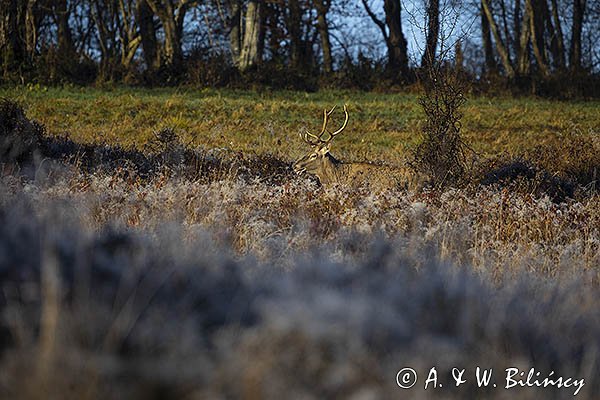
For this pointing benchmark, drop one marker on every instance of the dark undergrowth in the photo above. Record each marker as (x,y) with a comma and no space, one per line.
(364,73)
(521,176)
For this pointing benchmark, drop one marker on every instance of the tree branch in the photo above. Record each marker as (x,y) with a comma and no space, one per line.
(376,20)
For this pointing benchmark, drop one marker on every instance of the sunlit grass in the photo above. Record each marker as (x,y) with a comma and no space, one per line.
(383,127)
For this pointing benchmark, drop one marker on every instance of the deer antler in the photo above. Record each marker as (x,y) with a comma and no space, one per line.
(331,135)
(313,139)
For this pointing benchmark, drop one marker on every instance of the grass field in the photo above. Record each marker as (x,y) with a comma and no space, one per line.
(200,273)
(382,126)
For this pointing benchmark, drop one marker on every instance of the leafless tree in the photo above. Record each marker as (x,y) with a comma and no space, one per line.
(391,30)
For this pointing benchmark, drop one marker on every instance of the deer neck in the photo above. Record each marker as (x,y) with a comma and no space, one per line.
(331,170)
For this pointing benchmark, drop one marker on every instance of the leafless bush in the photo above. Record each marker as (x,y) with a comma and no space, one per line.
(442,154)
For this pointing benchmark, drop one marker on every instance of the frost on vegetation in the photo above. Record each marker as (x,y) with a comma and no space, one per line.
(175,285)
(178,311)
(486,228)
(199,273)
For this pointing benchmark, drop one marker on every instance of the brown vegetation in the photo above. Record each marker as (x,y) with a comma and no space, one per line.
(172,273)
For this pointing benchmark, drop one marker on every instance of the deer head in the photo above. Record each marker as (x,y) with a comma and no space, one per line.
(319,161)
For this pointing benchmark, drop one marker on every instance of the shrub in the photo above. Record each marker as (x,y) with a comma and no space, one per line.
(19,137)
(441,155)
(214,71)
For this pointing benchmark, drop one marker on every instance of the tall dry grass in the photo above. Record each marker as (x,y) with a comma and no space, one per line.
(235,279)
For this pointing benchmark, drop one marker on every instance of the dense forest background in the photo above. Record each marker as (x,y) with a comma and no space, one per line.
(544,47)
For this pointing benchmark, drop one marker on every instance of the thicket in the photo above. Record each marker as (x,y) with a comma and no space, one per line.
(363,74)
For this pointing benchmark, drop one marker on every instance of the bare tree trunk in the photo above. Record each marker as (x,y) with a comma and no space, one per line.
(459,58)
(145,18)
(523,55)
(172,17)
(507,37)
(64,35)
(544,13)
(173,53)
(11,45)
(560,45)
(322,8)
(536,27)
(575,51)
(129,33)
(394,40)
(97,10)
(250,55)
(396,43)
(32,20)
(500,47)
(128,52)
(262,32)
(517,28)
(553,33)
(490,61)
(294,23)
(235,39)
(433,28)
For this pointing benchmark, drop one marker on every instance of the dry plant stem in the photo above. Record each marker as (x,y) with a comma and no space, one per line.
(51,295)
